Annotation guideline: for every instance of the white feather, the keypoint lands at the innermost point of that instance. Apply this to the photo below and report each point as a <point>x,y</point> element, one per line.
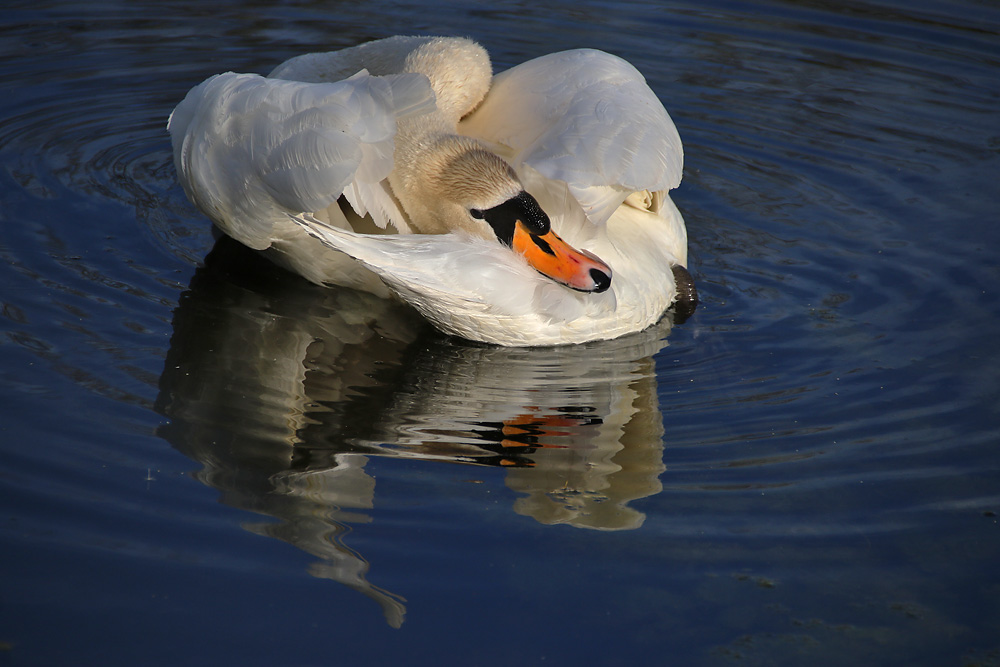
<point>586,118</point>
<point>459,282</point>
<point>250,149</point>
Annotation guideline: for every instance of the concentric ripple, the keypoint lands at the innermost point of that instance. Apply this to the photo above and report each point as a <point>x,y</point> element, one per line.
<point>822,430</point>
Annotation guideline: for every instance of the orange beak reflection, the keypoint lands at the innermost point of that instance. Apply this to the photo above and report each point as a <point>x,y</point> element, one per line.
<point>553,257</point>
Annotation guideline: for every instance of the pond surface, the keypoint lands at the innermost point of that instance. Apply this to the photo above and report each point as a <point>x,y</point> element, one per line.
<point>205,460</point>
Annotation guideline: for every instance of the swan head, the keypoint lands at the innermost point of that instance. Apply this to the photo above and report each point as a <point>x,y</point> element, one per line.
<point>470,188</point>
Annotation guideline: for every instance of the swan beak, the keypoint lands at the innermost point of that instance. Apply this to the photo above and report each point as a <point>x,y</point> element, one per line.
<point>553,257</point>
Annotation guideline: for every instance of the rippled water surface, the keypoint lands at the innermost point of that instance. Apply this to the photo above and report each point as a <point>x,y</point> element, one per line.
<point>206,460</point>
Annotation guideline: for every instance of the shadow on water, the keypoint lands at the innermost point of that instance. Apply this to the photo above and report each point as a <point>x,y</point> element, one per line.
<point>282,391</point>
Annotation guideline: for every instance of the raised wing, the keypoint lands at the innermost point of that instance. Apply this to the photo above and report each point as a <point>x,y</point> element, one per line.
<point>587,118</point>
<point>250,150</point>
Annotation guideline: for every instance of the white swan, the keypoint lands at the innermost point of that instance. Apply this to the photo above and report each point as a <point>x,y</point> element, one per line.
<point>446,184</point>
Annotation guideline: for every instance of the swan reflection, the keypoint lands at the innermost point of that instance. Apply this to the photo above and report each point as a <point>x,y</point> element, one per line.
<point>282,391</point>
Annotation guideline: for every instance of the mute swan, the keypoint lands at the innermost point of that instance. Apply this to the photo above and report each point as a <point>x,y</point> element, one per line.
<point>404,163</point>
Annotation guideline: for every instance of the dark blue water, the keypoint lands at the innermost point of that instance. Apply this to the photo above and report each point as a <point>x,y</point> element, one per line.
<point>205,460</point>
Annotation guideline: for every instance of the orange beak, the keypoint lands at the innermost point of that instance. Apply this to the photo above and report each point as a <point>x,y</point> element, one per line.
<point>553,257</point>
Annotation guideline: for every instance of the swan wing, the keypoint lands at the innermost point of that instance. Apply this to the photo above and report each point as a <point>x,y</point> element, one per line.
<point>249,150</point>
<point>586,118</point>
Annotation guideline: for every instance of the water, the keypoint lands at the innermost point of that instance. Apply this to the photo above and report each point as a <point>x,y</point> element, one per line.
<point>208,461</point>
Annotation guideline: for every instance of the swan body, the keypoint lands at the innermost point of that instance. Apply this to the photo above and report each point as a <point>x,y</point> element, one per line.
<point>526,208</point>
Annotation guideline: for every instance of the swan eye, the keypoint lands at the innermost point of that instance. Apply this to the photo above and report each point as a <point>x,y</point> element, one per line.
<point>477,214</point>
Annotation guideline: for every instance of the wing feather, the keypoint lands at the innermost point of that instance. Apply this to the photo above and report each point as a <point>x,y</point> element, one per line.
<point>587,118</point>
<point>250,149</point>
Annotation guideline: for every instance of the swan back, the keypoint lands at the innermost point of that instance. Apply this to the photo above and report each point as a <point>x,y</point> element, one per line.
<point>458,69</point>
